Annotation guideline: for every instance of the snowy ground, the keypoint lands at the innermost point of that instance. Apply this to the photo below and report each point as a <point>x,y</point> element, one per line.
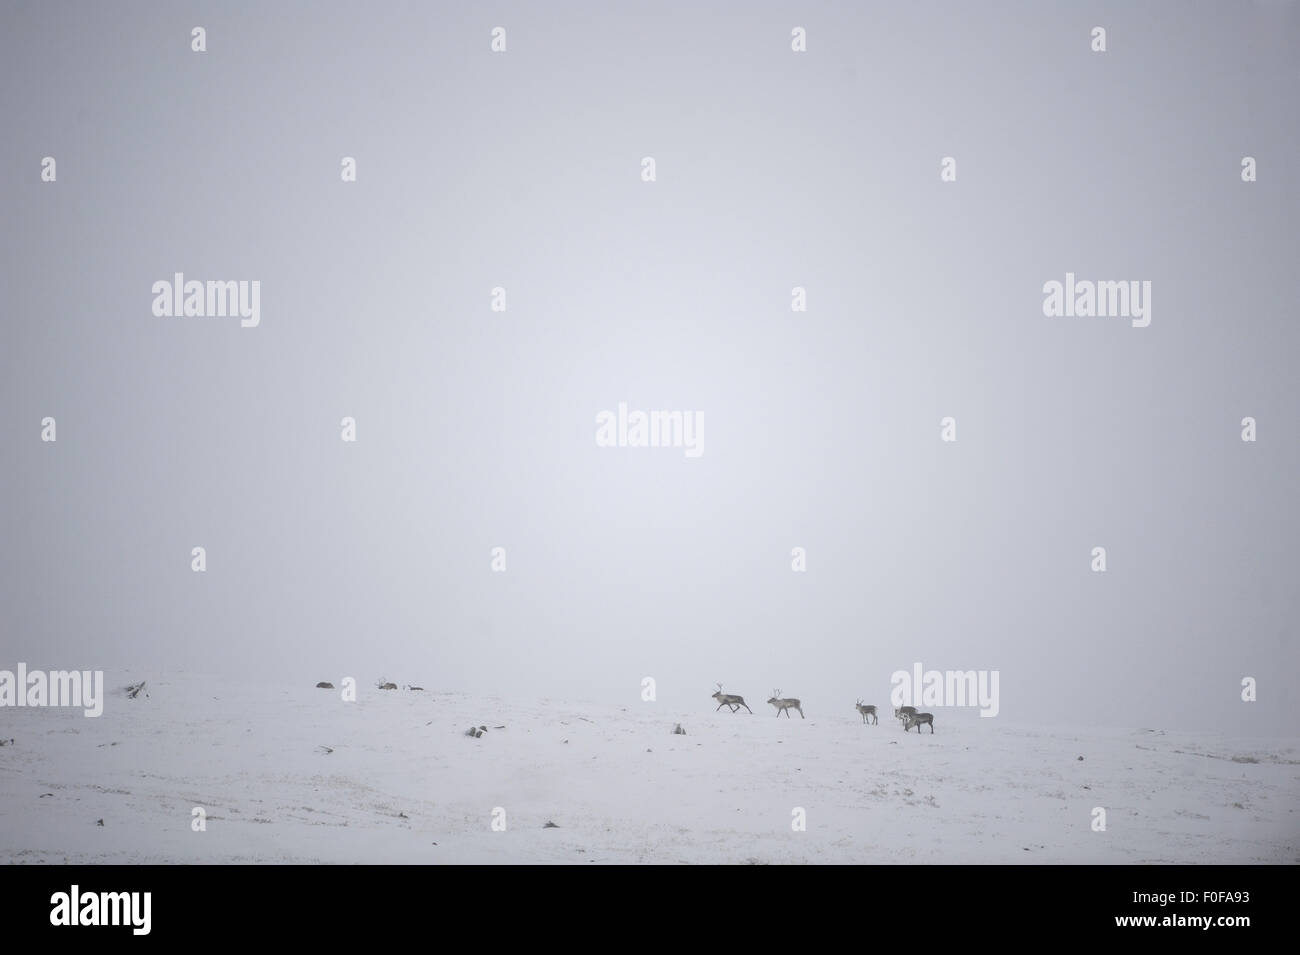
<point>295,775</point>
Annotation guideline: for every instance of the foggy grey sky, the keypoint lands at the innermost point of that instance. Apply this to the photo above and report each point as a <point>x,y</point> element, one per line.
<point>476,428</point>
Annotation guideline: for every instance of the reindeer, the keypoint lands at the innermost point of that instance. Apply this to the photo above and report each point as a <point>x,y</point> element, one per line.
<point>867,710</point>
<point>785,706</point>
<point>904,713</point>
<point>728,699</point>
<point>917,720</point>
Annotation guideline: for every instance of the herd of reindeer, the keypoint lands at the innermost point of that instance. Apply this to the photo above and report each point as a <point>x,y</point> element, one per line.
<point>907,714</point>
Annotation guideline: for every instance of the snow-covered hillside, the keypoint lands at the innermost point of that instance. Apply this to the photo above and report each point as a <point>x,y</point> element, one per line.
<point>296,774</point>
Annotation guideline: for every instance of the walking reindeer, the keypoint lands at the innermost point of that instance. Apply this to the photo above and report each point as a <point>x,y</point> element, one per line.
<point>731,700</point>
<point>907,715</point>
<point>785,706</point>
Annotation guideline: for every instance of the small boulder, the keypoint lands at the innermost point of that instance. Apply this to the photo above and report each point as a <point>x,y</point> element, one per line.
<point>324,686</point>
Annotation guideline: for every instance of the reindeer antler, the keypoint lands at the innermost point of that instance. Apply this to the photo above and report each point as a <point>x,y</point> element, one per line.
<point>719,687</point>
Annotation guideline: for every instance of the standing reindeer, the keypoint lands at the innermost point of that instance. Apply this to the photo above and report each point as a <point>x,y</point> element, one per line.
<point>904,713</point>
<point>917,720</point>
<point>867,710</point>
<point>785,706</point>
<point>735,702</point>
